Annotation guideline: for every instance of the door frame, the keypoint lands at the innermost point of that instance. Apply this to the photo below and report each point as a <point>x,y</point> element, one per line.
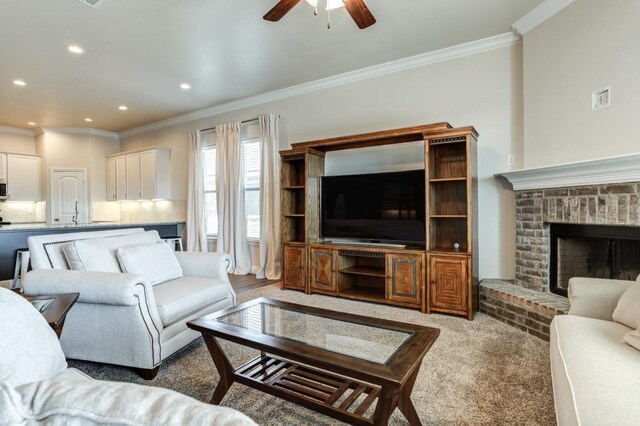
<point>89,213</point>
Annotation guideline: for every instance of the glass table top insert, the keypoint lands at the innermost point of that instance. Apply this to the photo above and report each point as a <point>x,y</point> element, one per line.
<point>368,342</point>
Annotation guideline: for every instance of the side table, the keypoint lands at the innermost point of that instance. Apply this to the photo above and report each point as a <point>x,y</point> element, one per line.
<point>54,308</point>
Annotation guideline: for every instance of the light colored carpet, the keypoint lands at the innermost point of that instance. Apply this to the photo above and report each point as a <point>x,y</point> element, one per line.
<point>480,372</point>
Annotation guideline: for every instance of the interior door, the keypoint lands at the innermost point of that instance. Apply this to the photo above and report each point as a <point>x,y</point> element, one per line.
<point>69,196</point>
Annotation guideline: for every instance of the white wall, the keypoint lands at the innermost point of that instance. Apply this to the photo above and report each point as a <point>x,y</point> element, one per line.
<point>588,45</point>
<point>483,90</point>
<point>16,141</point>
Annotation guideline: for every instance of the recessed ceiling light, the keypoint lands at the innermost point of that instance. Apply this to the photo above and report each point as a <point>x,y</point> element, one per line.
<point>74,48</point>
<point>31,123</point>
<point>19,82</point>
<point>123,108</point>
<point>185,86</point>
<point>88,120</point>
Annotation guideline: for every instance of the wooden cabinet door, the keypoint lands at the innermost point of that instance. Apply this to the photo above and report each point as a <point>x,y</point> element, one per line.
<point>449,282</point>
<point>294,262</point>
<point>404,278</point>
<point>323,270</point>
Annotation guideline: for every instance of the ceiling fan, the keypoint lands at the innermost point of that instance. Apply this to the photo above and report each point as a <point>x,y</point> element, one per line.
<point>356,8</point>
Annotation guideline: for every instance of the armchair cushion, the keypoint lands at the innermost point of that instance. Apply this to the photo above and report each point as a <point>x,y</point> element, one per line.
<point>182,297</point>
<point>628,310</point>
<point>594,297</point>
<point>633,338</point>
<point>154,261</point>
<point>98,403</point>
<point>29,348</point>
<point>99,254</point>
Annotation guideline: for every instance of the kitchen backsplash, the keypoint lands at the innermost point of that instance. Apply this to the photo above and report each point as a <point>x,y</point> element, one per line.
<point>126,212</point>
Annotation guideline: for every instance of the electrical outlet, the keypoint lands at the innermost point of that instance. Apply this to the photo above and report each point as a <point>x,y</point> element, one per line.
<point>511,160</point>
<point>601,98</point>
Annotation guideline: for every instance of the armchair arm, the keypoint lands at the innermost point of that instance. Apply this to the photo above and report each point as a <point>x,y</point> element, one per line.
<point>107,288</point>
<point>207,265</point>
<point>594,297</point>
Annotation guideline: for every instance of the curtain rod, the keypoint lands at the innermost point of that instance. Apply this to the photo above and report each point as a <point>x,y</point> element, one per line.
<point>253,120</point>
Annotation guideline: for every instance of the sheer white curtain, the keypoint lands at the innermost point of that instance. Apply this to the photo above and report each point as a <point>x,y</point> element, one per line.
<point>196,233</point>
<point>230,195</point>
<point>269,198</point>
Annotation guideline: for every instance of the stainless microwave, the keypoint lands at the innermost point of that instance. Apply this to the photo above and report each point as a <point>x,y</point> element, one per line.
<point>3,189</point>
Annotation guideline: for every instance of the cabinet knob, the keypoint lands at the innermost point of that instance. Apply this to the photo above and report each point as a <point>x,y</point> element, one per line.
<point>433,282</point>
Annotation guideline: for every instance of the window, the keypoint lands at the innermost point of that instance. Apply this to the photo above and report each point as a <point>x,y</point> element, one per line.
<point>250,182</point>
<point>210,201</point>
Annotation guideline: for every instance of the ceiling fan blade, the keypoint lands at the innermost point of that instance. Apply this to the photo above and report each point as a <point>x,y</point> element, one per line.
<point>280,9</point>
<point>360,13</point>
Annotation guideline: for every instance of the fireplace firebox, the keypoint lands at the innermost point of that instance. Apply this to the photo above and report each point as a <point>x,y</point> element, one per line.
<point>596,251</point>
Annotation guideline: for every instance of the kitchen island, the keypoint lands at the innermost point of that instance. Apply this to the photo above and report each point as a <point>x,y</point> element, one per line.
<point>14,237</point>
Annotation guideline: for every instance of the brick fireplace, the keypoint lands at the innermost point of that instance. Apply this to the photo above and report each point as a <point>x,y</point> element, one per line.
<point>597,192</point>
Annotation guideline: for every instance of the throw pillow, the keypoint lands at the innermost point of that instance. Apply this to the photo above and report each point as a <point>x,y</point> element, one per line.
<point>29,348</point>
<point>633,338</point>
<point>154,261</point>
<point>96,402</point>
<point>99,254</point>
<point>628,310</point>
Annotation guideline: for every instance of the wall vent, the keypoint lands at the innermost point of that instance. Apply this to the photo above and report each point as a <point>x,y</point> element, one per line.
<point>92,3</point>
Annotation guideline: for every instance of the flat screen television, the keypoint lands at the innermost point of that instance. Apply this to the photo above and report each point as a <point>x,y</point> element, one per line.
<point>375,208</point>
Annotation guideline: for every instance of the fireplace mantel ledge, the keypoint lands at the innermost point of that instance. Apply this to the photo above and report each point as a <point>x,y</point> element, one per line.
<point>618,169</point>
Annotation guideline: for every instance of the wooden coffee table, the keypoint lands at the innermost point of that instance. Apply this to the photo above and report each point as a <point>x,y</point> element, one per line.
<point>54,308</point>
<point>335,363</point>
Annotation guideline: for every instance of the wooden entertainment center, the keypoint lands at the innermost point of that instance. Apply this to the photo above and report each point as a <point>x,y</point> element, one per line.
<point>439,278</point>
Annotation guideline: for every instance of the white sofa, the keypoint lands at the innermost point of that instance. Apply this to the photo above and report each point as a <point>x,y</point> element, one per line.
<point>595,368</point>
<point>135,319</point>
<point>36,387</point>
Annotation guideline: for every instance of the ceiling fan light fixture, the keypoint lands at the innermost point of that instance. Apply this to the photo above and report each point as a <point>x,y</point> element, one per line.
<point>334,4</point>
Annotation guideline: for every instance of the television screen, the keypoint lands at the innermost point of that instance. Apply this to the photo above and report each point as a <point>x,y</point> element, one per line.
<point>380,207</point>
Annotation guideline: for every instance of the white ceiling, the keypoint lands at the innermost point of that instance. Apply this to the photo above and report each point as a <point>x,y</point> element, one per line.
<point>139,51</point>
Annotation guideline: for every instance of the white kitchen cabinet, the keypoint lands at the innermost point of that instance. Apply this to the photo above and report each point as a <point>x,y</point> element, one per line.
<point>3,167</point>
<point>132,162</point>
<point>139,175</point>
<point>112,186</point>
<point>154,174</point>
<point>121,178</point>
<point>23,178</point>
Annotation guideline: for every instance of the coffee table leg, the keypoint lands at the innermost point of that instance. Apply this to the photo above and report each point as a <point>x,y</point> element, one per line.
<point>404,402</point>
<point>225,369</point>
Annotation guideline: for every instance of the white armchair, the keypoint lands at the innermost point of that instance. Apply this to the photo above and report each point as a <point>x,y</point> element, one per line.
<point>135,320</point>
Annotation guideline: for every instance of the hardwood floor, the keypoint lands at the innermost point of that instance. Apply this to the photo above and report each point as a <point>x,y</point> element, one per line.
<point>244,283</point>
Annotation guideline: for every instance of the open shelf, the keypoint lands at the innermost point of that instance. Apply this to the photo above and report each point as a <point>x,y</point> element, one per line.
<point>364,293</point>
<point>448,161</point>
<point>293,187</point>
<point>448,198</point>
<point>456,179</point>
<point>294,215</point>
<point>445,232</point>
<point>293,229</point>
<point>293,173</point>
<point>371,271</point>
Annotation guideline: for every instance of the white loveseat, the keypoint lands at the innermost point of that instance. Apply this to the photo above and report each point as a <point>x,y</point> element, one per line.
<point>595,354</point>
<point>36,387</point>
<point>135,319</point>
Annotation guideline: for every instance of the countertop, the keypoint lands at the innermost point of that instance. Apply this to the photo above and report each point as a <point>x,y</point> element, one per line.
<point>42,225</point>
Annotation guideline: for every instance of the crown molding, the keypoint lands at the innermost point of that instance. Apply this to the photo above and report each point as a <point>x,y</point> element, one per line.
<point>76,131</point>
<point>446,54</point>
<point>618,169</point>
<point>16,131</point>
<point>537,16</point>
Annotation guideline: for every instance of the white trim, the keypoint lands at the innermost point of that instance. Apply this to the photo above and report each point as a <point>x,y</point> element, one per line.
<point>16,131</point>
<point>446,54</point>
<point>537,16</point>
<point>76,130</point>
<point>618,169</point>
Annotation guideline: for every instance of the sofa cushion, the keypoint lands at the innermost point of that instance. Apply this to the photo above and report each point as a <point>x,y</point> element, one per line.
<point>154,261</point>
<point>99,254</point>
<point>628,310</point>
<point>596,377</point>
<point>179,298</point>
<point>99,403</point>
<point>29,348</point>
<point>633,338</point>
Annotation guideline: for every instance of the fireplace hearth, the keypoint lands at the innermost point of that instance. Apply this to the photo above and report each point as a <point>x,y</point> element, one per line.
<point>595,251</point>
